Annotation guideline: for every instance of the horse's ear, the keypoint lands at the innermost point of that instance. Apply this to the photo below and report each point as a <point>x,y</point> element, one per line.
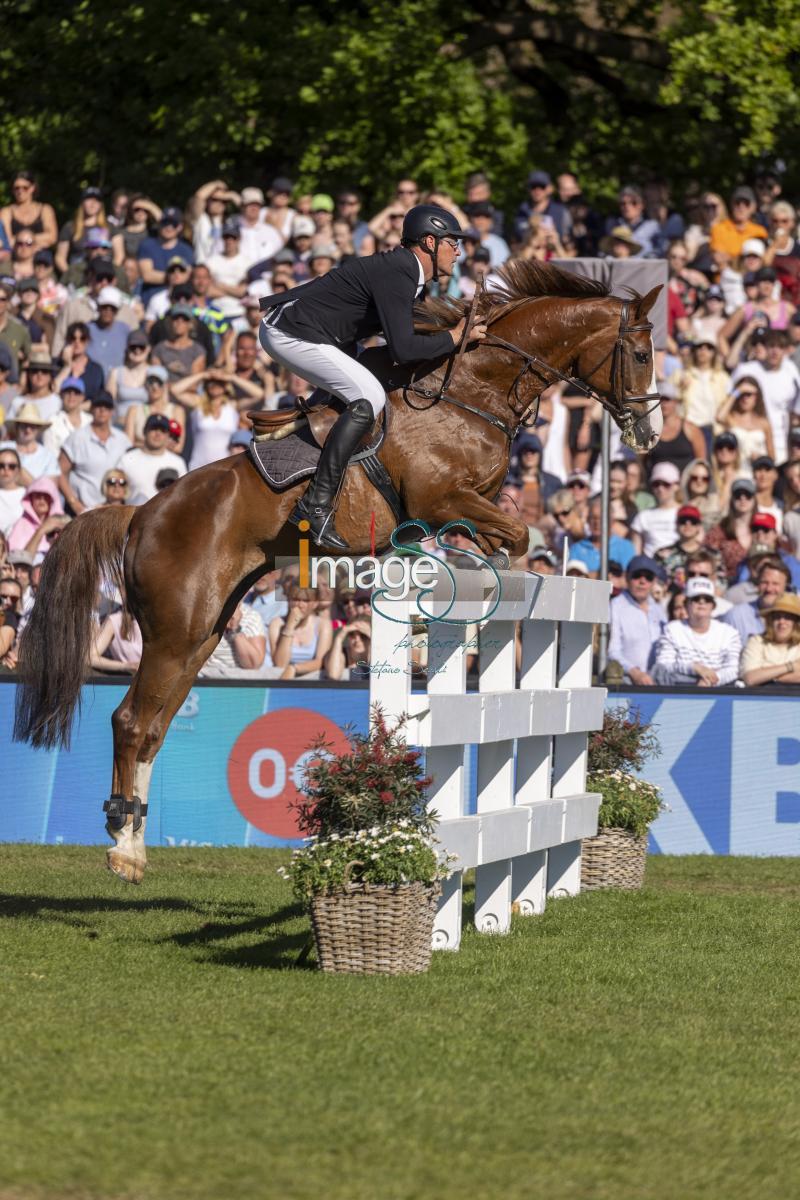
<point>643,306</point>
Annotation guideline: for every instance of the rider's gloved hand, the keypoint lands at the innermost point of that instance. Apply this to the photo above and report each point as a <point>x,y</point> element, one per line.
<point>476,334</point>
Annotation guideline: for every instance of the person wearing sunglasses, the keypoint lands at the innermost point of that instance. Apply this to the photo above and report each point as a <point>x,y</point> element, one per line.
<point>11,490</point>
<point>743,414</point>
<point>115,487</point>
<point>655,528</point>
<point>636,622</point>
<point>10,612</point>
<point>701,649</point>
<point>690,538</point>
<point>305,329</point>
<point>697,487</point>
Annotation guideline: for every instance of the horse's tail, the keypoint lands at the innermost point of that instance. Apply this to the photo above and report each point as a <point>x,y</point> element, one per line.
<point>55,644</point>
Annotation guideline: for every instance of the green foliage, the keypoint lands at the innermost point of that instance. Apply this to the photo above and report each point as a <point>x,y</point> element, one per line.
<point>628,802</point>
<point>386,854</point>
<point>378,783</point>
<point>624,742</point>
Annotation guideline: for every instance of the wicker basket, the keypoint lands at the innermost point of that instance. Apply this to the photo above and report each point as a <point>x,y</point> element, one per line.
<point>614,859</point>
<point>375,929</point>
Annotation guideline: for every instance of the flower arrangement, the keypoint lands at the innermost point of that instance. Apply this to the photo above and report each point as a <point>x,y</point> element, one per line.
<point>628,802</point>
<point>366,816</point>
<point>621,747</point>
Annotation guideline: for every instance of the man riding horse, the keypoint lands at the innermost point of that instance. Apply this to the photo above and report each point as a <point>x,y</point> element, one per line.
<point>313,330</point>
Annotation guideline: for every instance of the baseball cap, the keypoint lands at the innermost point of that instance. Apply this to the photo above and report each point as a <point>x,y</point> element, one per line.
<point>102,399</point>
<point>482,208</point>
<point>157,421</point>
<point>157,372</point>
<point>579,477</point>
<point>110,295</point>
<point>763,520</point>
<point>72,384</point>
<point>749,280</point>
<point>303,226</point>
<point>753,246</point>
<point>20,558</point>
<point>43,258</point>
<point>177,261</point>
<point>481,254</point>
<point>690,511</point>
<point>241,437</point>
<point>137,337</point>
<point>91,193</point>
<point>543,552</point>
<point>643,562</point>
<point>575,564</point>
<point>697,586</point>
<point>231,229</point>
<point>181,310</point>
<point>764,461</point>
<point>284,256</point>
<point>715,292</point>
<point>726,439</point>
<point>322,202</point>
<point>166,476</point>
<point>326,250</point>
<point>7,288</point>
<point>252,195</point>
<point>665,472</point>
<point>102,268</point>
<point>281,184</point>
<point>766,275</point>
<point>31,284</point>
<point>539,179</point>
<point>743,193</point>
<point>171,216</point>
<point>743,485</point>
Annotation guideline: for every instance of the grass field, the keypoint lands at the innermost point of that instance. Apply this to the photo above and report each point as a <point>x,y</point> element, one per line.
<point>155,1043</point>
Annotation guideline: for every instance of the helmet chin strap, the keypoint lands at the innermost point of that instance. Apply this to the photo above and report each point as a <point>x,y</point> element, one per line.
<point>434,257</point>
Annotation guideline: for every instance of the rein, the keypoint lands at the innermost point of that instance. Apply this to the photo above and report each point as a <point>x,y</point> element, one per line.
<point>617,402</point>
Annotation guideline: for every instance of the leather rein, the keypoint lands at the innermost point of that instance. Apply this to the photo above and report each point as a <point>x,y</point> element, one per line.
<point>616,402</point>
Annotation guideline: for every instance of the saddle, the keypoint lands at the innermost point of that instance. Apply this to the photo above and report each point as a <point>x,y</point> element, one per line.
<point>286,445</point>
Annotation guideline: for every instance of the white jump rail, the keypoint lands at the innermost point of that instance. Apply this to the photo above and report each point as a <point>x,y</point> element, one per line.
<point>532,806</point>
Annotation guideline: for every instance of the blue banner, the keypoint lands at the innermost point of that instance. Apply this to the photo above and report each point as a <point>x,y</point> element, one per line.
<point>232,766</point>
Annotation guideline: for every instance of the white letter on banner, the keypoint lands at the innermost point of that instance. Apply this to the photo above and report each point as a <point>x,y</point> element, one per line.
<point>254,774</point>
<point>765,777</point>
<point>677,721</point>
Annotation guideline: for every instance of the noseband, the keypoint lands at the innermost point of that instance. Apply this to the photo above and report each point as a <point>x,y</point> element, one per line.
<point>526,414</point>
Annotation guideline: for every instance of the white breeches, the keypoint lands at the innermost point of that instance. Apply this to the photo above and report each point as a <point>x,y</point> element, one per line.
<point>325,366</point>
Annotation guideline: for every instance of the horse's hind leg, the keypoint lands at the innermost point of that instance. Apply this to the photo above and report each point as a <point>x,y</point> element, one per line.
<point>140,723</point>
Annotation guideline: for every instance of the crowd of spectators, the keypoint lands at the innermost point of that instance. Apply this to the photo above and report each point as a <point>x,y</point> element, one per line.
<point>129,354</point>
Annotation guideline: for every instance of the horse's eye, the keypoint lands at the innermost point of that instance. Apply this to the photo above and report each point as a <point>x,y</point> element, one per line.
<point>641,356</point>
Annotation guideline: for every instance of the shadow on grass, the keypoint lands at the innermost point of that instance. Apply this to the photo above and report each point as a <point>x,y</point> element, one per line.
<point>280,952</point>
<point>59,908</point>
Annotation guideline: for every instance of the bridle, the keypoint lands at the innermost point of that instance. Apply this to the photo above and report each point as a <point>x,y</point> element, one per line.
<point>617,402</point>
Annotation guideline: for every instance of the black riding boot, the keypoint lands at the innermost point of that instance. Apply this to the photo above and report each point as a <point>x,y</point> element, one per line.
<point>319,503</point>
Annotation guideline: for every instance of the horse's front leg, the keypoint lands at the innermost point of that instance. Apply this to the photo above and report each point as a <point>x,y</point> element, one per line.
<point>501,537</point>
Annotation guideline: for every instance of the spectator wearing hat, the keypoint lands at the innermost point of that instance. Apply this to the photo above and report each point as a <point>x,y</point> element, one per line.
<point>155,252</point>
<point>214,417</point>
<point>32,530</point>
<point>11,490</point>
<point>82,307</point>
<point>142,464</point>
<point>349,655</point>
<point>71,416</point>
<point>158,401</point>
<point>743,413</point>
<point>727,466</point>
<point>258,239</point>
<point>702,388</point>
<point>126,383</point>
<point>91,214</point>
<point>637,621</point>
<point>26,212</point>
<point>279,212</point>
<point>322,259</point>
<point>730,234</point>
<point>229,271</point>
<point>690,538</point>
<point>178,272</point>
<point>96,245</point>
<point>52,294</point>
<point>26,427</point>
<point>619,242</point>
<point>179,353</point>
<point>774,655</point>
<point>587,550</point>
<point>732,536</point>
<point>302,233</point>
<point>167,476</point>
<point>13,333</point>
<point>108,337</point>
<point>542,561</point>
<point>700,649</point>
<point>765,540</point>
<point>779,380</point>
<point>88,453</point>
<point>207,211</point>
<point>239,441</point>
<point>709,316</point>
<point>765,477</point>
<point>481,218</point>
<point>526,465</point>
<point>655,528</point>
<point>39,391</point>
<point>772,579</point>
<point>540,203</point>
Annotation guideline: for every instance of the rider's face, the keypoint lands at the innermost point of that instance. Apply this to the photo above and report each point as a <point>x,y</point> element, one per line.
<point>449,250</point>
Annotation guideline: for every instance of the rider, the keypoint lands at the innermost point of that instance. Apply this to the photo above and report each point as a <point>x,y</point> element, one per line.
<point>313,330</point>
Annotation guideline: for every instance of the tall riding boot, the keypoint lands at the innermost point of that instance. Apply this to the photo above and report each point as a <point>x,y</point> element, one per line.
<point>318,505</point>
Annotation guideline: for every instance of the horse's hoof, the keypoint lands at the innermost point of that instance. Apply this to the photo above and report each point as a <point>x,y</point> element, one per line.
<point>500,560</point>
<point>129,870</point>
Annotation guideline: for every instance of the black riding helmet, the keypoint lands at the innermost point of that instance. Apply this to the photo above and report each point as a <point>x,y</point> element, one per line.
<point>429,220</point>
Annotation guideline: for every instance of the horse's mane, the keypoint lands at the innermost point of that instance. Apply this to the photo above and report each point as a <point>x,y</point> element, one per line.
<point>521,280</point>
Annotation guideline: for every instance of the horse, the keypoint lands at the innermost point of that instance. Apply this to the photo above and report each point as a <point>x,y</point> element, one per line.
<point>188,556</point>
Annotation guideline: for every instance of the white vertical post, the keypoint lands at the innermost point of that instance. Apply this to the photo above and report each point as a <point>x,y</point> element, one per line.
<point>447,674</point>
<point>495,776</point>
<point>570,755</point>
<point>390,658</point>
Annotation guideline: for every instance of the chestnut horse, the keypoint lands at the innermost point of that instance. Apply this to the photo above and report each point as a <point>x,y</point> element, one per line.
<point>188,556</point>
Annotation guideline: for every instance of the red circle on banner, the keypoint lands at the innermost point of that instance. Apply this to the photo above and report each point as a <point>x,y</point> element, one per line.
<point>266,766</point>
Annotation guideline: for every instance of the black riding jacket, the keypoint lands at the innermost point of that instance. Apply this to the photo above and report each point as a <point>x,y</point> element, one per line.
<point>363,297</point>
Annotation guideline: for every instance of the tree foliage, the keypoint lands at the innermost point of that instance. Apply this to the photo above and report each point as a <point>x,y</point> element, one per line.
<point>138,94</point>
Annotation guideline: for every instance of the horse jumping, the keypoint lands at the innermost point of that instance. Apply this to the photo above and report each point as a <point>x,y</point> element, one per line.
<point>189,555</point>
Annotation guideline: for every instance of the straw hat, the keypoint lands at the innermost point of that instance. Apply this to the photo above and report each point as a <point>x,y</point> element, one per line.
<point>42,359</point>
<point>28,415</point>
<point>620,233</point>
<point>787,603</point>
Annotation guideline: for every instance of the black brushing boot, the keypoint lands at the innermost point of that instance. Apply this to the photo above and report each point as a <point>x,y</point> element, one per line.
<point>318,504</point>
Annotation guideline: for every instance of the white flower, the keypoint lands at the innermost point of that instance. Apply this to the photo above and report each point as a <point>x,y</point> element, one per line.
<point>328,862</point>
<point>374,856</point>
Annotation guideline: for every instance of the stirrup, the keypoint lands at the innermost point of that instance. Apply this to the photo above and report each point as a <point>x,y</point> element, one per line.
<point>320,524</point>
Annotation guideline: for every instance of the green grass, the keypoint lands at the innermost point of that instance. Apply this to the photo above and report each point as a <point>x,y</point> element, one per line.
<point>155,1044</point>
